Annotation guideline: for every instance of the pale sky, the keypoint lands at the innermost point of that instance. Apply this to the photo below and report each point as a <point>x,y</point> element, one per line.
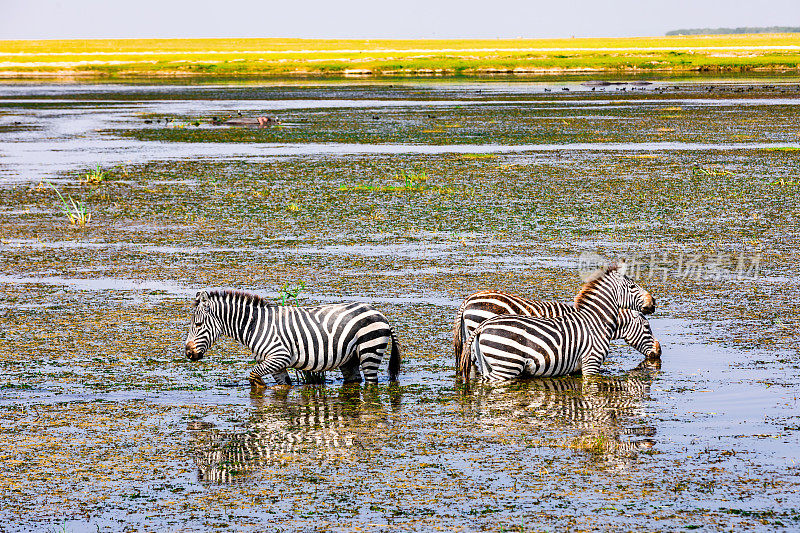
<point>51,19</point>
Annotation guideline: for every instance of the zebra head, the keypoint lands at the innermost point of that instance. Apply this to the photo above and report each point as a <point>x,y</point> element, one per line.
<point>634,328</point>
<point>610,288</point>
<point>204,328</point>
<point>629,294</point>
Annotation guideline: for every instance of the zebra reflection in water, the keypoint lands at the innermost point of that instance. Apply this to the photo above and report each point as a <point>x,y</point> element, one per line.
<point>318,425</point>
<point>599,415</point>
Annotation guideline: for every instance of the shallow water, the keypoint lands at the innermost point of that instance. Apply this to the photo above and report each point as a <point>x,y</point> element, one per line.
<point>107,425</point>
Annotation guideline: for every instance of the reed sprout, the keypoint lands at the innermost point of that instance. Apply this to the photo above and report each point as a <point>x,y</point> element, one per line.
<point>76,212</point>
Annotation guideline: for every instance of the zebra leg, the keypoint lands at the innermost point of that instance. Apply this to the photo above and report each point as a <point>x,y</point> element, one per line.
<point>350,371</point>
<point>273,364</point>
<point>282,378</point>
<point>590,364</point>
<point>496,373</point>
<point>370,354</point>
<point>369,364</point>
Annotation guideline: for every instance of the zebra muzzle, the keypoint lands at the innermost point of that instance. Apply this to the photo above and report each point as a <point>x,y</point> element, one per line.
<point>655,353</point>
<point>191,352</point>
<point>649,305</point>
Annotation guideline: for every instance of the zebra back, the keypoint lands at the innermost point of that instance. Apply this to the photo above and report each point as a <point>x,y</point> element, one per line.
<point>483,305</point>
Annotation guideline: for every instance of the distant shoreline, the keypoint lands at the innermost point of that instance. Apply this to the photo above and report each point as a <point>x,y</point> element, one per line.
<point>304,58</point>
<point>734,31</point>
<point>388,75</point>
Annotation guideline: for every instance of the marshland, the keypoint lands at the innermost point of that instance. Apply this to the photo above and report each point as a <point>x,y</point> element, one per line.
<point>119,201</point>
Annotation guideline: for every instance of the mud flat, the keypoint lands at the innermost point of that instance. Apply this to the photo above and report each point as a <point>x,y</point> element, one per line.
<point>409,196</point>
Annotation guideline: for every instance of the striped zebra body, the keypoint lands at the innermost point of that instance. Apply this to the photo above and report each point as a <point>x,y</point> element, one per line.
<point>632,326</point>
<point>350,336</point>
<point>508,346</point>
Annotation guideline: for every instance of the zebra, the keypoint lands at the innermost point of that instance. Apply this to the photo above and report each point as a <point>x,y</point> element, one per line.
<point>350,336</point>
<point>632,326</point>
<point>505,347</point>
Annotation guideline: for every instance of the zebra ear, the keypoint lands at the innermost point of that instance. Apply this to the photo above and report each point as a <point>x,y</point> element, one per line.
<point>622,267</point>
<point>201,298</point>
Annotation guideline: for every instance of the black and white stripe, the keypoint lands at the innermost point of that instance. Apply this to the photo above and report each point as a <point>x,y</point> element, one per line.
<point>505,347</point>
<point>350,336</point>
<point>632,326</point>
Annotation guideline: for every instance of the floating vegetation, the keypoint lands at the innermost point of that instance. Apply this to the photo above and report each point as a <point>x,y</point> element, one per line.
<point>410,182</point>
<point>478,156</point>
<point>489,125</point>
<point>596,444</point>
<point>710,171</point>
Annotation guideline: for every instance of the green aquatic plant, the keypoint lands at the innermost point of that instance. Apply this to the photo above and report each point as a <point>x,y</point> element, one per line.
<point>710,171</point>
<point>76,212</point>
<point>594,444</point>
<point>289,294</point>
<point>95,176</point>
<point>411,182</point>
<point>786,182</point>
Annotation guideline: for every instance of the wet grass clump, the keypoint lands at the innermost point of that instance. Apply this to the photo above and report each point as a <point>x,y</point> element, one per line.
<point>95,176</point>
<point>76,211</point>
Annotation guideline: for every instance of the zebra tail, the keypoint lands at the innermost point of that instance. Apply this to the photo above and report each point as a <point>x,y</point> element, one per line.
<point>394,358</point>
<point>465,359</point>
<point>459,333</point>
<point>458,337</point>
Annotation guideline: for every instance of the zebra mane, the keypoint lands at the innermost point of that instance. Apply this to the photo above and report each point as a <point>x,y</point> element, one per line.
<point>244,297</point>
<point>593,281</point>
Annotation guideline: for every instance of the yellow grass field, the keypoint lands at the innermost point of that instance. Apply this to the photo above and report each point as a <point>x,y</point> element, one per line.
<point>309,57</point>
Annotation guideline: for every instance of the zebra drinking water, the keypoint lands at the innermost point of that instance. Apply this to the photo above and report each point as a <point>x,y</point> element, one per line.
<point>632,326</point>
<point>505,347</point>
<point>350,336</point>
